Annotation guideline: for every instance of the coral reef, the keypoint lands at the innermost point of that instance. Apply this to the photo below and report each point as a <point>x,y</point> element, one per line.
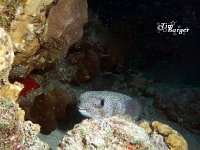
<point>51,107</point>
<point>8,9</point>
<point>174,140</point>
<point>119,132</point>
<point>97,52</point>
<point>107,133</point>
<point>15,133</point>
<point>78,67</point>
<point>65,17</point>
<point>11,91</point>
<point>26,30</point>
<point>6,55</point>
<point>180,104</point>
<point>31,24</point>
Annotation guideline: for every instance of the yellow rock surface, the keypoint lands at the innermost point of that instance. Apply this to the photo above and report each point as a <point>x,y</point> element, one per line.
<point>29,21</point>
<point>146,126</point>
<point>162,128</point>
<point>176,142</point>
<point>11,91</point>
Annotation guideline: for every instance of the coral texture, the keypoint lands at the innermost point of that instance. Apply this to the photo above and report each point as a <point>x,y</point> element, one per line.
<point>120,133</point>
<point>107,133</point>
<point>173,139</point>
<point>14,132</point>
<point>51,107</point>
<point>34,27</point>
<point>11,91</point>
<point>6,56</point>
<point>66,16</point>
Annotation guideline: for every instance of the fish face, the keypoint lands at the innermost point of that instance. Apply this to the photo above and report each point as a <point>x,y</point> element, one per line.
<point>93,107</point>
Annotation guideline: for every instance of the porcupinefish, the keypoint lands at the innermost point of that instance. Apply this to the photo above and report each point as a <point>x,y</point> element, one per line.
<point>97,104</point>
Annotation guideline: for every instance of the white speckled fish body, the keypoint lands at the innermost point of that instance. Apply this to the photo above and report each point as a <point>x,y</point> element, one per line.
<point>97,104</point>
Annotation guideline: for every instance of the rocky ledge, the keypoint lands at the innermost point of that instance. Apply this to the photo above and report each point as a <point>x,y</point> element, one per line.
<point>119,132</point>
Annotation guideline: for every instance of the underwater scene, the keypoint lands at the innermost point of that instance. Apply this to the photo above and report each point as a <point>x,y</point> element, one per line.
<point>99,75</point>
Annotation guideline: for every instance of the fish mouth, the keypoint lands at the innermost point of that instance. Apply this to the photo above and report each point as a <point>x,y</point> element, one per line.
<point>81,108</point>
<point>85,113</point>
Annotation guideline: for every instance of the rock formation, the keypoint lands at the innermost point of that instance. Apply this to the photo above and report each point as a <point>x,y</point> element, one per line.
<point>119,132</point>
<point>179,104</point>
<point>15,133</point>
<point>52,107</point>
<point>42,30</point>
<point>6,55</point>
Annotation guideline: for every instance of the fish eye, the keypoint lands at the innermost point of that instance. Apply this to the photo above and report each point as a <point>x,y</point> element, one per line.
<point>102,102</point>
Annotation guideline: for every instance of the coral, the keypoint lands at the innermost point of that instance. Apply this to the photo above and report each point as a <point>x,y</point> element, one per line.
<point>163,128</point>
<point>88,68</point>
<point>6,56</point>
<point>176,142</point>
<point>78,67</point>
<point>112,51</point>
<point>146,126</point>
<point>11,91</point>
<point>29,85</point>
<point>162,132</point>
<point>158,140</point>
<point>116,132</point>
<point>29,22</point>
<point>31,29</point>
<point>52,107</point>
<point>14,132</point>
<point>64,71</point>
<point>64,17</point>
<point>10,133</point>
<point>92,63</point>
<point>8,9</point>
<point>81,76</point>
<point>31,141</point>
<point>179,104</point>
<point>173,139</point>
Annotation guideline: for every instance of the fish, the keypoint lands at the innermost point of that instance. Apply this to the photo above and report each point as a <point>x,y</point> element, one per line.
<point>100,104</point>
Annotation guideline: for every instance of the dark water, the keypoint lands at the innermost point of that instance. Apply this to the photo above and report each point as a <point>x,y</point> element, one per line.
<point>172,58</point>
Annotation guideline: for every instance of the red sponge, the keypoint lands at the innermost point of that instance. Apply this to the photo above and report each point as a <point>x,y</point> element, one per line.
<point>29,85</point>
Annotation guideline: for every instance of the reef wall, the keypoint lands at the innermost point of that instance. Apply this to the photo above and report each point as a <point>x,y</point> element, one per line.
<point>41,30</point>
<point>15,133</point>
<point>33,35</point>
